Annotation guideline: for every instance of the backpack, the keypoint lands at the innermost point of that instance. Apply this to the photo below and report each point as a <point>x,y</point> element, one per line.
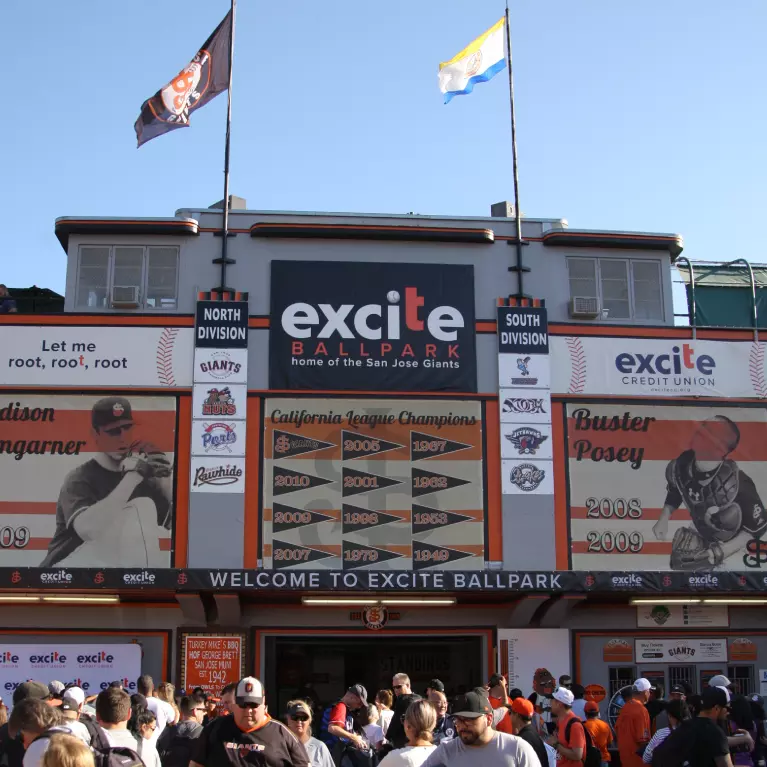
<point>675,749</point>
<point>331,740</point>
<point>106,755</point>
<point>592,757</point>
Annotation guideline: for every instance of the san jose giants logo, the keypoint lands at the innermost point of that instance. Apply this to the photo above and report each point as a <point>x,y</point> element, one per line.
<point>218,437</point>
<point>527,477</point>
<point>526,440</point>
<point>183,92</point>
<point>219,402</point>
<point>527,405</point>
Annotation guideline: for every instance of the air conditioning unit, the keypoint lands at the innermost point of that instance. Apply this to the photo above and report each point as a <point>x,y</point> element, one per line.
<point>125,296</point>
<point>584,308</point>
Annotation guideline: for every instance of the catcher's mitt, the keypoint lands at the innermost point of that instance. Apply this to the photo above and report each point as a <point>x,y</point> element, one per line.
<point>690,552</point>
<point>146,459</point>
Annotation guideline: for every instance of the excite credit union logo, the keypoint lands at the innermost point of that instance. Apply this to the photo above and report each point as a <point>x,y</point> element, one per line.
<point>679,368</point>
<point>8,660</point>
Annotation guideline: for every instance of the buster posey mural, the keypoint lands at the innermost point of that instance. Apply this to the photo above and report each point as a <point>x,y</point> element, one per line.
<point>657,487</point>
<point>87,481</point>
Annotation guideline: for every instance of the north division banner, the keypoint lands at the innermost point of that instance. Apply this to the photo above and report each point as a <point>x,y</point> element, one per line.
<point>667,487</point>
<point>86,481</point>
<point>376,484</point>
<point>338,325</point>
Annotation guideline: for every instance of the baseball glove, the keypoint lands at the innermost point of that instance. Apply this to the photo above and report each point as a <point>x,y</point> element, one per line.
<point>146,459</point>
<point>690,552</point>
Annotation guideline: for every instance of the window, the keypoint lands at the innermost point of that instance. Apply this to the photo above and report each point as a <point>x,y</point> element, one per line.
<point>152,269</point>
<point>628,289</point>
<point>684,675</point>
<point>742,678</point>
<point>620,677</point>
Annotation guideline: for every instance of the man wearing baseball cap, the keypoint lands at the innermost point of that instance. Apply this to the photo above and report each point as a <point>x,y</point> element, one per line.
<point>633,725</point>
<point>112,508</point>
<point>337,724</point>
<point>521,712</point>
<point>249,736</point>
<point>477,742</point>
<point>601,734</point>
<point>11,748</point>
<point>570,737</point>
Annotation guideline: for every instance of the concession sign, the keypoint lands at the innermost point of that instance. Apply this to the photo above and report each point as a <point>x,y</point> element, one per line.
<point>640,474</point>
<point>372,326</point>
<point>67,460</point>
<point>378,484</point>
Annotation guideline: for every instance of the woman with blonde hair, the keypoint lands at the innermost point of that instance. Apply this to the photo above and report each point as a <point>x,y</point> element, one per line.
<point>298,717</point>
<point>67,751</point>
<point>167,692</point>
<point>420,721</point>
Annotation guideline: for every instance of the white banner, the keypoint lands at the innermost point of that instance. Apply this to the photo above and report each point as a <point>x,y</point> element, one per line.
<point>95,356</point>
<point>657,367</point>
<point>90,666</point>
<point>681,650</point>
<point>534,657</point>
<point>682,616</point>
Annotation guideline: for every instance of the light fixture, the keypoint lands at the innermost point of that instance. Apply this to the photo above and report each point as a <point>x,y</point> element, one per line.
<point>666,601</point>
<point>105,599</point>
<point>4,599</point>
<point>735,601</point>
<point>359,602</point>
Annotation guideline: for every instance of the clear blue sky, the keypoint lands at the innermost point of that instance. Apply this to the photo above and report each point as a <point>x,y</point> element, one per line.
<point>645,116</point>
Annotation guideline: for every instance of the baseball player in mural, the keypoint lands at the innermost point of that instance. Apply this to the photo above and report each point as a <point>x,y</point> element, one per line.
<point>112,508</point>
<point>722,500</point>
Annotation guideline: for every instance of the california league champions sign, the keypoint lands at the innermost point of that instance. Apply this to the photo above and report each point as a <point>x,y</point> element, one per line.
<point>372,326</point>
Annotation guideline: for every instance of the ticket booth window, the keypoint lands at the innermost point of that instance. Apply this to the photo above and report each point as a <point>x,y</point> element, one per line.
<point>621,676</point>
<point>742,678</point>
<point>684,675</point>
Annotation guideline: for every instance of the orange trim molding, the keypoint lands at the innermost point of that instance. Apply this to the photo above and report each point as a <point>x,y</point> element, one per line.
<point>560,486</point>
<point>493,468</point>
<point>183,467</point>
<point>251,530</point>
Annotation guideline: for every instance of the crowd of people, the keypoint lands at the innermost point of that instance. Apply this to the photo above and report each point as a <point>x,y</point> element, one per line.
<point>488,726</point>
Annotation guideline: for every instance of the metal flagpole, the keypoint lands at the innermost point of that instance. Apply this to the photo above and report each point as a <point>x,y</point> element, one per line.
<point>224,261</point>
<point>519,269</point>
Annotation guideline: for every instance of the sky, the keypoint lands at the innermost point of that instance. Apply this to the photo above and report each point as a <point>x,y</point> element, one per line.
<point>641,116</point>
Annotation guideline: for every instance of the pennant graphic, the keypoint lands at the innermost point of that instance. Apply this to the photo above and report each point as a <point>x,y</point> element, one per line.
<point>355,518</point>
<point>428,446</point>
<point>425,519</point>
<point>426,482</point>
<point>288,445</point>
<point>356,482</point>
<point>356,445</point>
<point>289,518</point>
<point>200,81</point>
<point>290,555</point>
<point>356,555</point>
<point>289,481</point>
<point>425,555</point>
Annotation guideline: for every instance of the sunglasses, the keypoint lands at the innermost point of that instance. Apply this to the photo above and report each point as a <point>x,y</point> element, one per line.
<point>300,718</point>
<point>251,706</point>
<point>398,686</point>
<point>116,431</point>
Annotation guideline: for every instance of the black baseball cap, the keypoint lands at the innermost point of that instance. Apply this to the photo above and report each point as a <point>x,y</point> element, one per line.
<point>472,705</point>
<point>678,689</point>
<point>495,679</point>
<point>31,689</point>
<point>436,684</point>
<point>714,696</point>
<point>111,411</point>
<point>360,692</point>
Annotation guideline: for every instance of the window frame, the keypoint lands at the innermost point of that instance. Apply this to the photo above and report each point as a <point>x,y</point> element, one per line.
<point>143,287</point>
<point>597,260</point>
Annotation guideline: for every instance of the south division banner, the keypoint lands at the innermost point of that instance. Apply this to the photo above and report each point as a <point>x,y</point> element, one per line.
<point>648,482</point>
<point>72,491</point>
<point>372,326</point>
<point>378,484</point>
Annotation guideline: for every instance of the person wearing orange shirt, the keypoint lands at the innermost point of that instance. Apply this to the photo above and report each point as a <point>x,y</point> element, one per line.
<point>499,698</point>
<point>600,731</point>
<point>570,738</point>
<point>633,725</point>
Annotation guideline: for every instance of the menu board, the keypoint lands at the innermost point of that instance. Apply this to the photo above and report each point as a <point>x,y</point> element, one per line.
<point>372,483</point>
<point>211,661</point>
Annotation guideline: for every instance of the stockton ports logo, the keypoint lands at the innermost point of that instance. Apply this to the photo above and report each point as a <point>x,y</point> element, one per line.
<point>526,440</point>
<point>218,437</point>
<point>678,369</point>
<point>219,402</point>
<point>53,659</point>
<point>527,477</point>
<point>224,474</point>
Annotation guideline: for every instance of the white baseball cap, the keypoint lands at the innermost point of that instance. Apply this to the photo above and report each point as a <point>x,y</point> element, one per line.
<point>75,693</point>
<point>249,690</point>
<point>720,680</point>
<point>725,691</point>
<point>643,685</point>
<point>563,695</point>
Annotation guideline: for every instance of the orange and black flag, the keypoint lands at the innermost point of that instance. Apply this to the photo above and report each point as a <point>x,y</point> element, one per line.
<point>200,81</point>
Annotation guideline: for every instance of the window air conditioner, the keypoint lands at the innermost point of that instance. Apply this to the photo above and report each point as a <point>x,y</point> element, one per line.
<point>582,307</point>
<point>125,296</point>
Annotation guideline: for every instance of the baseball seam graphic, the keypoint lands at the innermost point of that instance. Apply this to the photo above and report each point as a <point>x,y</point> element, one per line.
<point>164,357</point>
<point>577,366</point>
<point>756,369</point>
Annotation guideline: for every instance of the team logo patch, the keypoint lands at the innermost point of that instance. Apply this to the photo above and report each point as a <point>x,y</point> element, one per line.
<point>218,437</point>
<point>526,440</point>
<point>219,402</point>
<point>527,477</point>
<point>523,365</point>
<point>375,617</point>
<point>117,409</point>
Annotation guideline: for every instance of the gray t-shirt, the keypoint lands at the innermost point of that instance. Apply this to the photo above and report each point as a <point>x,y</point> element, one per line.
<point>502,751</point>
<point>318,753</point>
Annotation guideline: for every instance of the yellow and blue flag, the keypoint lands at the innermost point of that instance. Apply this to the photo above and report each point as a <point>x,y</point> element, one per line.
<point>478,62</point>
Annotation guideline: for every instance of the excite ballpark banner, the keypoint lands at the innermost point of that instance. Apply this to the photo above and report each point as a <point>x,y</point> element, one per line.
<point>382,582</point>
<point>91,667</point>
<point>387,484</point>
<point>657,367</point>
<point>52,356</point>
<point>54,466</point>
<point>639,473</point>
<point>338,325</point>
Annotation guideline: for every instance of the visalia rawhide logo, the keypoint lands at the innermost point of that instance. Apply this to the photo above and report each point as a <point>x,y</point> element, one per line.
<point>219,402</point>
<point>218,437</point>
<point>224,474</point>
<point>526,440</point>
<point>680,367</point>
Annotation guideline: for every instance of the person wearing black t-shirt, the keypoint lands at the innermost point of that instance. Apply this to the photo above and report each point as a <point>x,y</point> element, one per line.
<point>709,743</point>
<point>250,737</point>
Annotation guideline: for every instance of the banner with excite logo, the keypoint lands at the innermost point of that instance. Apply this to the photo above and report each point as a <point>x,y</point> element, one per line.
<point>91,667</point>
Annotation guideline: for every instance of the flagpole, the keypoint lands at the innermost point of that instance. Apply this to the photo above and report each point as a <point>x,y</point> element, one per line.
<point>224,261</point>
<point>519,269</point>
